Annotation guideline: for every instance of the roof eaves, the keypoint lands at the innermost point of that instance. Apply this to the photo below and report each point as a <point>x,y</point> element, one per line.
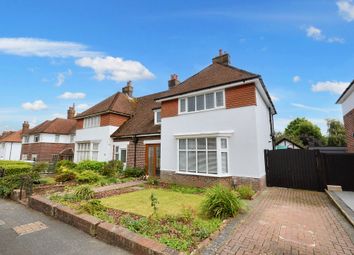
<point>345,91</point>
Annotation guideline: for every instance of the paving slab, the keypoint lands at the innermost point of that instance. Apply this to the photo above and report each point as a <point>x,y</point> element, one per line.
<point>347,197</point>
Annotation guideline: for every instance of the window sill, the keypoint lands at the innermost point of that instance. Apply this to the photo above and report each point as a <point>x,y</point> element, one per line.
<point>206,175</point>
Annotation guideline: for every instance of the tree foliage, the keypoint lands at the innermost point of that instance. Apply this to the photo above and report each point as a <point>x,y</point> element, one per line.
<point>336,133</point>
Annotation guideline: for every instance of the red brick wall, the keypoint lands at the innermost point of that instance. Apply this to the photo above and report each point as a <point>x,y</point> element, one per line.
<point>80,124</point>
<point>169,108</point>
<point>111,119</point>
<point>349,127</point>
<point>44,151</point>
<point>240,96</point>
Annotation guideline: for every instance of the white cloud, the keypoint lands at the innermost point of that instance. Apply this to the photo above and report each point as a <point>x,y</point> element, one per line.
<point>34,106</point>
<point>296,78</point>
<point>316,34</point>
<point>117,69</point>
<point>273,97</point>
<point>346,9</point>
<point>82,106</point>
<point>72,95</point>
<point>312,108</point>
<point>62,76</point>
<point>336,87</point>
<point>26,46</point>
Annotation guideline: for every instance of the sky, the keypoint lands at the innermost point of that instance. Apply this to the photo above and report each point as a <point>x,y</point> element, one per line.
<point>56,53</point>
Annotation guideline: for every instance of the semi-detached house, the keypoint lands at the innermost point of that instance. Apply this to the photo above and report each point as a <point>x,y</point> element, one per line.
<point>212,127</point>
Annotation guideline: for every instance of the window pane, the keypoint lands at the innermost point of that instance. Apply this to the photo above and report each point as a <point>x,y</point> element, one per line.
<point>209,101</point>
<point>224,165</point>
<point>219,98</point>
<point>191,161</point>
<point>182,103</point>
<point>158,117</point>
<point>191,104</point>
<point>212,162</point>
<point>95,146</point>
<point>211,143</point>
<point>223,143</point>
<point>191,144</point>
<point>201,143</point>
<point>182,161</point>
<point>123,156</point>
<point>202,162</point>
<point>182,144</point>
<point>200,102</point>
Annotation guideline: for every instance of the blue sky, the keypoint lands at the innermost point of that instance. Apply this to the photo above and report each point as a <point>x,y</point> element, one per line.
<point>55,53</point>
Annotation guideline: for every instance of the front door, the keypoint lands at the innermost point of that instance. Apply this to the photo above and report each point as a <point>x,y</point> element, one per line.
<point>152,159</point>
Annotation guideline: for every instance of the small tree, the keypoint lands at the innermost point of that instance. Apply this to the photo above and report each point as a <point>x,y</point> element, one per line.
<point>154,202</point>
<point>336,133</point>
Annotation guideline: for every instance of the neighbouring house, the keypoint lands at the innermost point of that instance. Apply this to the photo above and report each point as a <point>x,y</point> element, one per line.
<point>286,143</point>
<point>212,127</point>
<point>10,145</point>
<point>50,141</point>
<point>95,126</point>
<point>347,102</point>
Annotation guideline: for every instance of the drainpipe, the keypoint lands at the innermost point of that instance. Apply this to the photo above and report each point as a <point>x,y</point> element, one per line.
<point>271,124</point>
<point>10,151</point>
<point>135,141</point>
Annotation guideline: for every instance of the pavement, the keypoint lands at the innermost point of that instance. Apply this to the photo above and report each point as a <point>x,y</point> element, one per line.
<point>24,231</point>
<point>347,197</point>
<point>287,221</point>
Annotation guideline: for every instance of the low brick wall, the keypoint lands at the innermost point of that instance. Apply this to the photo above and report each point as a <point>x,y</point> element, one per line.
<point>84,222</point>
<point>207,181</point>
<point>122,237</point>
<point>106,232</point>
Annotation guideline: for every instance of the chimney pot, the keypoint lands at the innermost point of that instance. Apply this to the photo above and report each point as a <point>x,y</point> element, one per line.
<point>173,81</point>
<point>223,58</point>
<point>128,89</point>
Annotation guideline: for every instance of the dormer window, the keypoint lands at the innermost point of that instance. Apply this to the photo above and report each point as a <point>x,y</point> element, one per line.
<point>202,102</point>
<point>91,122</point>
<point>157,117</point>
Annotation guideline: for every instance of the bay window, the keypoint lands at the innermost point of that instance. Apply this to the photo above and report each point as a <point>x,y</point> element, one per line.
<point>87,151</point>
<point>206,156</point>
<point>202,102</point>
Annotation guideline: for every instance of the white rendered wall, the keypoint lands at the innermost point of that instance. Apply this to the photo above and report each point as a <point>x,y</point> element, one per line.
<point>101,135</point>
<point>348,104</point>
<point>243,147</point>
<point>264,141</point>
<point>10,151</point>
<point>49,138</point>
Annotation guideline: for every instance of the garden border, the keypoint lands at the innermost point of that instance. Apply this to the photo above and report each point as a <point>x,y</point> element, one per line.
<point>104,231</point>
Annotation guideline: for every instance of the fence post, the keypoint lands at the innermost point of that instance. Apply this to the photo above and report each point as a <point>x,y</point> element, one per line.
<point>320,169</point>
<point>266,165</point>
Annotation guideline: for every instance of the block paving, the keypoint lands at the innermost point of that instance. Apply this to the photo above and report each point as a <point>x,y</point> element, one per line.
<point>30,228</point>
<point>288,221</point>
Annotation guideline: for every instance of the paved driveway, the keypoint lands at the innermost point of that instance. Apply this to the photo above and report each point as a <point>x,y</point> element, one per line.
<point>27,232</point>
<point>287,221</point>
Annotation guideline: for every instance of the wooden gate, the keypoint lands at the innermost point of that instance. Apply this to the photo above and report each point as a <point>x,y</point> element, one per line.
<point>298,169</point>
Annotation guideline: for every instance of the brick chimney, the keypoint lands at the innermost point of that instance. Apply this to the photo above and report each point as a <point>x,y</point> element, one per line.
<point>128,89</point>
<point>71,112</point>
<point>223,58</point>
<point>25,127</point>
<point>173,81</point>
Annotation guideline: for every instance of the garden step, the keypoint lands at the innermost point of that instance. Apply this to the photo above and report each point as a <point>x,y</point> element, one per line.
<point>117,186</point>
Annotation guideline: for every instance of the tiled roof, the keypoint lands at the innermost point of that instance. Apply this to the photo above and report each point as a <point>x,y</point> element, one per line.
<point>214,75</point>
<point>142,121</point>
<point>56,126</point>
<point>117,103</point>
<point>11,136</point>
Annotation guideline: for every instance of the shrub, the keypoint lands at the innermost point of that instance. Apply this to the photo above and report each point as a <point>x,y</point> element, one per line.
<point>245,191</point>
<point>95,208</point>
<point>221,202</point>
<point>88,176</point>
<point>40,167</point>
<point>153,180</point>
<point>112,168</point>
<point>133,172</point>
<point>65,163</point>
<point>107,180</point>
<point>15,167</point>
<point>84,192</point>
<point>90,165</point>
<point>46,180</point>
<point>66,175</point>
<point>11,182</point>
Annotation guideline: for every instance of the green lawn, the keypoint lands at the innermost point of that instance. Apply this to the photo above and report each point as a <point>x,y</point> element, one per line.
<point>138,202</point>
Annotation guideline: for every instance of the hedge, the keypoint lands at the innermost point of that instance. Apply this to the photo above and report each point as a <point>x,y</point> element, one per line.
<point>15,167</point>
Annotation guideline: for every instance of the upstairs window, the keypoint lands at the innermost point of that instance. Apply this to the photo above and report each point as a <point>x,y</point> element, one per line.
<point>57,137</point>
<point>26,139</point>
<point>202,102</point>
<point>36,138</point>
<point>157,117</point>
<point>91,122</point>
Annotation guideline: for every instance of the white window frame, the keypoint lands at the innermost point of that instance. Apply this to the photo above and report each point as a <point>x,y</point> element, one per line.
<point>218,150</point>
<point>26,139</point>
<point>57,138</point>
<point>156,112</point>
<point>34,157</point>
<point>24,157</point>
<point>91,122</point>
<point>121,146</point>
<point>90,150</point>
<point>195,102</point>
<point>39,138</point>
